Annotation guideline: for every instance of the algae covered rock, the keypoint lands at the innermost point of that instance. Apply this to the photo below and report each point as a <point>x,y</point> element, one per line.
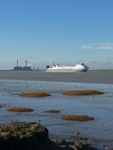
<point>35,94</point>
<point>20,109</point>
<point>77,117</point>
<point>22,136</point>
<point>32,136</point>
<point>21,129</point>
<point>82,92</point>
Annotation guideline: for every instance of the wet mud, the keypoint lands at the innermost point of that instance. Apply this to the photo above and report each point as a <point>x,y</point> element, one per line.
<point>97,132</point>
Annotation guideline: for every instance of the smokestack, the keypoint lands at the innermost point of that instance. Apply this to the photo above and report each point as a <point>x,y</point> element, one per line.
<point>17,62</point>
<point>26,63</point>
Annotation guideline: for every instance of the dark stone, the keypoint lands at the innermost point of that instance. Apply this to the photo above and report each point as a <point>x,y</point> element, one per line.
<point>33,136</point>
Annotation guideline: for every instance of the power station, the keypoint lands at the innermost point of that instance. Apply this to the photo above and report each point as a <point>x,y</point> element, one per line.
<point>22,68</point>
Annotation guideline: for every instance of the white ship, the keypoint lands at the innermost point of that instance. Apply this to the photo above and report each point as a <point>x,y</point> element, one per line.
<point>76,68</point>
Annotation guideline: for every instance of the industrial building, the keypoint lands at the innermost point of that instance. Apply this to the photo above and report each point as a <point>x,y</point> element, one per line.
<point>22,68</point>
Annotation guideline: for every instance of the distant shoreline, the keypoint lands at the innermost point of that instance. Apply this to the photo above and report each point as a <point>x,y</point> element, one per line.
<point>45,70</point>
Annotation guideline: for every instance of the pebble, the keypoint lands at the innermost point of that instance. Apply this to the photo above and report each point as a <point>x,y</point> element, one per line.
<point>77,133</point>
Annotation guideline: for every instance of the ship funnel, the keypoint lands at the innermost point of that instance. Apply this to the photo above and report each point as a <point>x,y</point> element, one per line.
<point>47,67</point>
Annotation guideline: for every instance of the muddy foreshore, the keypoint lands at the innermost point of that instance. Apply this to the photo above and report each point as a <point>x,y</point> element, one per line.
<point>104,77</point>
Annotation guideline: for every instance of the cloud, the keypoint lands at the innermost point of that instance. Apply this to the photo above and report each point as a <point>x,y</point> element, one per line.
<point>103,46</point>
<point>106,46</point>
<point>89,46</point>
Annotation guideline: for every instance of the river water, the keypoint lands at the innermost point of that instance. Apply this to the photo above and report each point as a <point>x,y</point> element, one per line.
<point>98,106</point>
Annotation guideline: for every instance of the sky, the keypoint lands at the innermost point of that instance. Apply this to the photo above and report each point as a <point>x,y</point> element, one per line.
<point>65,32</point>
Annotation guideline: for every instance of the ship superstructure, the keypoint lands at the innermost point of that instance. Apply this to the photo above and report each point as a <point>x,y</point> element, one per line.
<point>76,68</point>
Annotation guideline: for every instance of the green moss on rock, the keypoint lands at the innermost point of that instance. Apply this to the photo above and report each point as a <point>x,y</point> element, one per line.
<point>20,128</point>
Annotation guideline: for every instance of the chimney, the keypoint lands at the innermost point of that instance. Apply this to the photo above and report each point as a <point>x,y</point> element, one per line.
<point>26,63</point>
<point>17,62</point>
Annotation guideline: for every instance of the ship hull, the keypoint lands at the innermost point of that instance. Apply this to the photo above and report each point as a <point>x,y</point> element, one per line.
<point>66,70</point>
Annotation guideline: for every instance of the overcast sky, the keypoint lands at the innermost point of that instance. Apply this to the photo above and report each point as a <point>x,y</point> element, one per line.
<point>65,32</point>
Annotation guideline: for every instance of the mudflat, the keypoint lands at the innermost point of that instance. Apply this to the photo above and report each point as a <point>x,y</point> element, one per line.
<point>98,132</point>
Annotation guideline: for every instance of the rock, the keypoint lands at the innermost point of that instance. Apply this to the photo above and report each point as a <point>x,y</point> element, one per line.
<point>83,138</point>
<point>82,92</point>
<point>62,141</point>
<point>77,133</point>
<point>81,146</point>
<point>35,94</point>
<point>23,136</point>
<point>78,144</point>
<point>33,136</point>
